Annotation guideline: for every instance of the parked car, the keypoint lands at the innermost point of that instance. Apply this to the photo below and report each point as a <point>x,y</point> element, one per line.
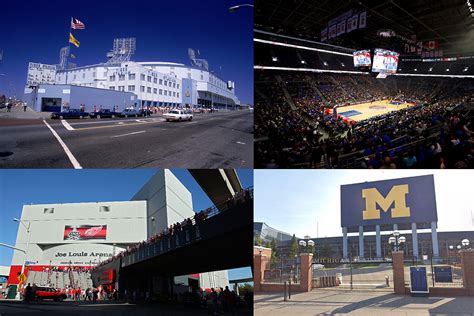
<point>49,293</point>
<point>103,113</point>
<point>69,113</point>
<point>178,115</point>
<point>145,112</point>
<point>129,113</point>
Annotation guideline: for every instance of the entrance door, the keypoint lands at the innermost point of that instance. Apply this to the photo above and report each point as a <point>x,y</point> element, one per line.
<point>51,104</point>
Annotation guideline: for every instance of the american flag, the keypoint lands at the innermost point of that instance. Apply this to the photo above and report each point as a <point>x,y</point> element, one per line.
<point>77,25</point>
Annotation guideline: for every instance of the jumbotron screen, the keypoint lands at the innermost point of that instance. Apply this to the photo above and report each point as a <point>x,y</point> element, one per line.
<point>362,58</point>
<point>385,61</point>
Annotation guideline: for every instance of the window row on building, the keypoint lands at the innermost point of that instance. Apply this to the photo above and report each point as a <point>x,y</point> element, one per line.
<point>143,77</point>
<point>131,88</point>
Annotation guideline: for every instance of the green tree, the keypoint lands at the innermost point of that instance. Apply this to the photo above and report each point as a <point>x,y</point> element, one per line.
<point>246,287</point>
<point>257,239</point>
<point>275,253</point>
<point>293,247</point>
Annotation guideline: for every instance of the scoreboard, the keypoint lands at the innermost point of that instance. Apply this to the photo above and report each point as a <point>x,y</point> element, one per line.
<point>362,58</point>
<point>385,61</point>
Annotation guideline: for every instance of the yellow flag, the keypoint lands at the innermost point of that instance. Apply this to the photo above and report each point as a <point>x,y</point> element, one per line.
<point>72,40</point>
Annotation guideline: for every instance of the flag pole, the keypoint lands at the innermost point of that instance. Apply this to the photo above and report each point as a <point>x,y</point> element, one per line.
<point>69,48</point>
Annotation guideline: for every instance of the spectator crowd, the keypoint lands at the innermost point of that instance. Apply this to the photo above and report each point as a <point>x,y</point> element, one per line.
<point>295,127</point>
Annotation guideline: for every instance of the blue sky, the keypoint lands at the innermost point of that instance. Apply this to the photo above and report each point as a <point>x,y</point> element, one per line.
<point>19,187</point>
<point>36,30</point>
<point>307,202</point>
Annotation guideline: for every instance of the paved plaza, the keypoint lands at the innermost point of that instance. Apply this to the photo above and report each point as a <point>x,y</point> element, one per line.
<point>340,302</point>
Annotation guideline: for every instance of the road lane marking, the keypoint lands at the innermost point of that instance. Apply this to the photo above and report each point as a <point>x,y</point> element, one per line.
<point>71,157</point>
<point>67,126</point>
<point>127,134</point>
<point>240,143</point>
<point>115,125</point>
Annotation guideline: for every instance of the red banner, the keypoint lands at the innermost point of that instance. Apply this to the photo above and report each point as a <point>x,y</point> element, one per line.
<point>85,232</point>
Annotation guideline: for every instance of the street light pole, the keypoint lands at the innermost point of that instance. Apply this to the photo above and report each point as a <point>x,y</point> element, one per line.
<point>236,7</point>
<point>27,242</point>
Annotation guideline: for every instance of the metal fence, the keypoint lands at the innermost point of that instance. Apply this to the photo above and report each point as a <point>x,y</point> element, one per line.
<point>280,270</point>
<point>351,274</point>
<point>440,272</point>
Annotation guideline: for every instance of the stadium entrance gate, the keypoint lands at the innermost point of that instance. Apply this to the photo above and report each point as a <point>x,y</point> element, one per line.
<point>353,274</point>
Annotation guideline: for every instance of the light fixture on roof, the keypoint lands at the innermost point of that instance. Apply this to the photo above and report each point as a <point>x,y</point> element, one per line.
<point>431,69</point>
<point>325,63</point>
<point>470,7</point>
<point>303,61</point>
<point>447,69</point>
<point>415,69</point>
<point>465,69</point>
<point>342,64</point>
<point>274,58</point>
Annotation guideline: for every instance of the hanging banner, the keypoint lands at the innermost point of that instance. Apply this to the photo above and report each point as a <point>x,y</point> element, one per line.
<point>363,19</point>
<point>85,232</point>
<point>341,28</point>
<point>324,34</point>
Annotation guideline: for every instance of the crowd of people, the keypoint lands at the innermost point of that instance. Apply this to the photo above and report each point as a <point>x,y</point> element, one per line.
<point>177,227</point>
<point>298,128</point>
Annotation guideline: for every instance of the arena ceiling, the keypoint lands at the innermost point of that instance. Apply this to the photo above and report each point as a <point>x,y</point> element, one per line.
<point>448,21</point>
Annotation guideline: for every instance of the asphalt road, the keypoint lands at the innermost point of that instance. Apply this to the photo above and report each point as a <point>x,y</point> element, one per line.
<point>101,309</point>
<point>217,140</point>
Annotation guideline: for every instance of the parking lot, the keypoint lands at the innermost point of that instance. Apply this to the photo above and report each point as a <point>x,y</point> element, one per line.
<point>211,140</point>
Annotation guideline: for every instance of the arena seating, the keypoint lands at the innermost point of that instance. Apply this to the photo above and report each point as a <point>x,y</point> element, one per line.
<point>294,130</point>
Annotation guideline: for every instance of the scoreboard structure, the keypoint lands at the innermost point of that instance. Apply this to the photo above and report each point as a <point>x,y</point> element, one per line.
<point>389,205</point>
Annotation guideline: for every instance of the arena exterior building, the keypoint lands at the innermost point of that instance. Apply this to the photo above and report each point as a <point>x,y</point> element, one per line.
<point>85,234</point>
<point>332,247</point>
<point>155,84</point>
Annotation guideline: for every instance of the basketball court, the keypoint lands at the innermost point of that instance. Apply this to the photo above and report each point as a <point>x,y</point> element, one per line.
<point>363,111</point>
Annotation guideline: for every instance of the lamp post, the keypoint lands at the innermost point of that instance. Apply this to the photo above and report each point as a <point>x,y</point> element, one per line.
<point>465,243</point>
<point>237,7</point>
<point>396,241</point>
<point>27,242</point>
<point>306,243</point>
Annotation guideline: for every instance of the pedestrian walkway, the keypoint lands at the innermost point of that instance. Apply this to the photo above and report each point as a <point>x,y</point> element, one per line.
<point>17,112</point>
<point>332,302</point>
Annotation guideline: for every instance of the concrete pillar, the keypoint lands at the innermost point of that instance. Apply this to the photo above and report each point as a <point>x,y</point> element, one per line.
<point>378,242</point>
<point>395,227</point>
<point>361,241</point>
<point>259,264</point>
<point>414,239</point>
<point>398,272</point>
<point>434,239</point>
<point>344,242</point>
<point>467,266</point>
<point>306,264</point>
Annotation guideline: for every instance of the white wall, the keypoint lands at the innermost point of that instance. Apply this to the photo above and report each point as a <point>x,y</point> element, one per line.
<point>126,224</point>
<point>99,76</point>
<point>168,201</point>
<point>214,279</point>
